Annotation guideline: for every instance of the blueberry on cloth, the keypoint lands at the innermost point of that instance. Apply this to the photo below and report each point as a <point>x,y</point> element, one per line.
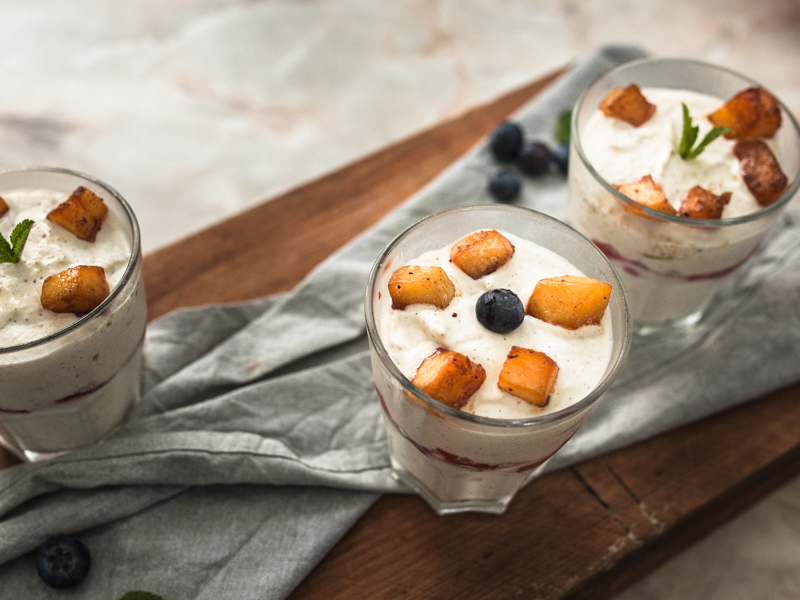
<point>499,310</point>
<point>63,562</point>
<point>504,186</point>
<point>534,158</point>
<point>561,157</point>
<point>506,141</point>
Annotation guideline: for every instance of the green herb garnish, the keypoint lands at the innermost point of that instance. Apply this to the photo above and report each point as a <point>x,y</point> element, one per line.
<point>140,596</point>
<point>13,252</point>
<point>563,125</point>
<point>689,137</point>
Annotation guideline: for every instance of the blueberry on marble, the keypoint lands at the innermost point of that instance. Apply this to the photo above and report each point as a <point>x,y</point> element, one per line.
<point>504,186</point>
<point>63,562</point>
<point>506,141</point>
<point>499,310</point>
<point>534,158</point>
<point>561,157</point>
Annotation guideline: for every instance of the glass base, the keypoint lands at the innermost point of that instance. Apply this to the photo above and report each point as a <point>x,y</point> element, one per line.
<point>496,506</point>
<point>654,329</point>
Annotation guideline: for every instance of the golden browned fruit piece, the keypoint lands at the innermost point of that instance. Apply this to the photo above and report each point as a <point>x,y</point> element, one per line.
<point>628,104</point>
<point>569,301</point>
<point>529,375</point>
<point>647,192</point>
<point>3,207</point>
<point>420,285</point>
<point>83,213</point>
<point>699,203</point>
<point>481,253</point>
<point>753,112</point>
<point>77,290</point>
<point>450,377</point>
<point>760,170</point>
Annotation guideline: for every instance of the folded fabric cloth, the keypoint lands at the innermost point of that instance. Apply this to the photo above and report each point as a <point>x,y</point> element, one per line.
<point>259,440</point>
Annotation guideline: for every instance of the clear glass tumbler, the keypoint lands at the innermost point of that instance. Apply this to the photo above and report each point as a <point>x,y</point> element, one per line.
<point>459,461</point>
<point>671,266</point>
<point>73,387</point>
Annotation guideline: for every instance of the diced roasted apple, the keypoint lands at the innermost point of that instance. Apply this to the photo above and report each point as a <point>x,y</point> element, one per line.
<point>760,170</point>
<point>629,105</point>
<point>83,213</point>
<point>77,290</point>
<point>753,112</point>
<point>699,203</point>
<point>569,301</point>
<point>3,207</point>
<point>481,253</point>
<point>420,285</point>
<point>647,192</point>
<point>528,375</point>
<point>449,377</point>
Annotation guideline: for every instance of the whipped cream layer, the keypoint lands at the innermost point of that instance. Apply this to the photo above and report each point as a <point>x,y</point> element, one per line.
<point>50,249</point>
<point>621,153</point>
<point>582,355</point>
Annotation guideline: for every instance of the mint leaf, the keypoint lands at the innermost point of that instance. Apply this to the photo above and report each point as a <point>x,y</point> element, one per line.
<point>13,252</point>
<point>689,136</point>
<point>140,596</point>
<point>564,126</point>
<point>710,137</point>
<point>6,253</point>
<point>19,236</point>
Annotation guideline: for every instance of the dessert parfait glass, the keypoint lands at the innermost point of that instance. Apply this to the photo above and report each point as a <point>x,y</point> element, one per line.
<point>671,266</point>
<point>73,387</point>
<point>455,460</point>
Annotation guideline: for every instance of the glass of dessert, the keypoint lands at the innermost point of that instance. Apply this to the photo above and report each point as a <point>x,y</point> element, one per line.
<point>72,310</point>
<point>679,170</point>
<point>493,333</point>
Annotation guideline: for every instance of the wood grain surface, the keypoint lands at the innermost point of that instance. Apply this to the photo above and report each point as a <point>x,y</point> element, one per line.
<point>584,532</point>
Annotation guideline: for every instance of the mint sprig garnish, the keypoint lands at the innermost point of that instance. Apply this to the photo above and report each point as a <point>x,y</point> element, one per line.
<point>140,596</point>
<point>689,136</point>
<point>13,252</point>
<point>563,126</point>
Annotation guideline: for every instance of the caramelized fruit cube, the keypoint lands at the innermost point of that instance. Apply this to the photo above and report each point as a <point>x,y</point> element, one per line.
<point>760,170</point>
<point>753,112</point>
<point>77,290</point>
<point>420,285</point>
<point>450,377</point>
<point>569,301</point>
<point>3,207</point>
<point>647,192</point>
<point>699,203</point>
<point>528,375</point>
<point>629,105</point>
<point>481,253</point>
<point>83,213</point>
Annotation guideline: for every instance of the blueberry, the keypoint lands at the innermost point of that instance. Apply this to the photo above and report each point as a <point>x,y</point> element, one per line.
<point>506,141</point>
<point>561,157</point>
<point>499,311</point>
<point>534,158</point>
<point>63,562</point>
<point>505,186</point>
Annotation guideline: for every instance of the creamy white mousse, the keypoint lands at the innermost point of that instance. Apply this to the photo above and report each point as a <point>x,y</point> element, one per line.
<point>582,355</point>
<point>621,153</point>
<point>50,249</point>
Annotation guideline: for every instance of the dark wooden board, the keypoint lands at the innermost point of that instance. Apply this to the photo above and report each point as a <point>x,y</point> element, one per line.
<point>585,532</point>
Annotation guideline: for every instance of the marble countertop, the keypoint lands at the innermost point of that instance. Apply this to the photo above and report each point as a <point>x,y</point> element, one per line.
<point>196,109</point>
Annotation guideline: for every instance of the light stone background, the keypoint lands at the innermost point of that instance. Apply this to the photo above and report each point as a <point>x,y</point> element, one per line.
<point>197,109</point>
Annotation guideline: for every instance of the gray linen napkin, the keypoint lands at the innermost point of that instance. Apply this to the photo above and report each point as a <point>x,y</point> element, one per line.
<point>279,393</point>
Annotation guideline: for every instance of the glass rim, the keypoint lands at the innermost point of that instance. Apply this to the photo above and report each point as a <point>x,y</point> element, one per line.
<point>121,284</point>
<point>405,383</point>
<point>790,192</point>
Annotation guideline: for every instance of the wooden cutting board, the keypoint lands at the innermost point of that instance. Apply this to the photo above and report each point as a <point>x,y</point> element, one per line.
<point>584,532</point>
